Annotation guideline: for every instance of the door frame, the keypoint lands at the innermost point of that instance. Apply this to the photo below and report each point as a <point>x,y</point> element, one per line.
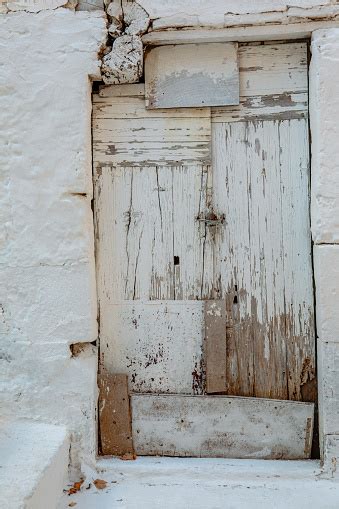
<point>324,251</point>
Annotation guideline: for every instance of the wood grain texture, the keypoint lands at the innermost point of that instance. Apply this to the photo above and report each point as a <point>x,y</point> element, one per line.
<point>115,423</point>
<point>236,229</point>
<point>217,426</point>
<point>185,76</point>
<point>150,243</point>
<point>215,346</point>
<point>126,134</point>
<point>157,344</point>
<point>273,83</point>
<point>263,257</point>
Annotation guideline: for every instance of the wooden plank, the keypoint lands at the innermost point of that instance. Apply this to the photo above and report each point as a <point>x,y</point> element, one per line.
<point>217,426</point>
<point>182,76</point>
<point>215,346</point>
<point>157,344</point>
<point>261,182</point>
<point>273,83</point>
<point>150,243</point>
<point>115,428</point>
<point>268,107</point>
<point>128,90</point>
<point>125,133</point>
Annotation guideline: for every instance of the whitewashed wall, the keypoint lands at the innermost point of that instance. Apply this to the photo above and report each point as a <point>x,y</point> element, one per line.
<point>47,284</point>
<point>47,280</point>
<point>324,114</point>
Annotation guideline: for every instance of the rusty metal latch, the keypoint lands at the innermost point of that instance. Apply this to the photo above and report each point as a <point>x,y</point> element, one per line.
<point>211,219</point>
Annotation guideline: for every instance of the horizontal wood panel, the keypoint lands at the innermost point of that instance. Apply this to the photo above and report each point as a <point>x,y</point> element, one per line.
<point>124,133</point>
<point>267,69</point>
<point>217,426</point>
<point>268,107</point>
<point>183,76</point>
<point>215,346</point>
<point>273,83</point>
<point>157,344</point>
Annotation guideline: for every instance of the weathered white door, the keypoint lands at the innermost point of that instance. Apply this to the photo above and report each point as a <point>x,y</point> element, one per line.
<point>194,205</point>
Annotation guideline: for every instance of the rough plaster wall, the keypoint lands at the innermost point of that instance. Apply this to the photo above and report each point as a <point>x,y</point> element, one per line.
<point>47,279</point>
<point>324,114</point>
<point>227,13</point>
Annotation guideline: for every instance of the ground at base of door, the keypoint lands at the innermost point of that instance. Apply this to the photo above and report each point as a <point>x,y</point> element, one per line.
<point>194,483</point>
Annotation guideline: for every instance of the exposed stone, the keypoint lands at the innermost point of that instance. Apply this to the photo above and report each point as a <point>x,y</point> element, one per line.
<point>124,64</point>
<point>324,112</point>
<point>115,13</point>
<point>127,18</point>
<point>136,19</point>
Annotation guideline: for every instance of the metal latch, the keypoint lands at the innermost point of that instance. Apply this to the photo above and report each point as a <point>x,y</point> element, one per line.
<point>211,219</point>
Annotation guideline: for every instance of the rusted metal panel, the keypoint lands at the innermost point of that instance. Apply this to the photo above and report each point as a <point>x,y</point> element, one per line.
<point>115,426</point>
<point>236,229</point>
<point>218,426</point>
<point>215,346</point>
<point>194,75</point>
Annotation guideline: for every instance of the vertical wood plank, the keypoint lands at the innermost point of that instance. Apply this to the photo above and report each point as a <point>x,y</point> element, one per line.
<point>215,346</point>
<point>263,258</point>
<point>115,422</point>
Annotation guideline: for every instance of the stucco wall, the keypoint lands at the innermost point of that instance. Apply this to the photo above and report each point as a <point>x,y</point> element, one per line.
<point>324,114</point>
<point>47,278</point>
<point>47,274</point>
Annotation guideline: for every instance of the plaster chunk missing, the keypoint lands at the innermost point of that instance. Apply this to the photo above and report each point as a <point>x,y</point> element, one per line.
<point>124,63</point>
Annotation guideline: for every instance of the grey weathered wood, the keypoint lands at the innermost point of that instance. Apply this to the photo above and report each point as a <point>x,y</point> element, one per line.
<point>184,76</point>
<point>218,426</point>
<point>215,346</point>
<point>126,134</point>
<point>273,84</point>
<point>151,245</point>
<point>115,425</point>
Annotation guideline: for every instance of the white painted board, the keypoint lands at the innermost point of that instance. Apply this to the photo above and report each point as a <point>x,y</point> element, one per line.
<point>194,75</point>
<point>157,344</point>
<point>125,133</point>
<point>273,83</point>
<point>218,426</point>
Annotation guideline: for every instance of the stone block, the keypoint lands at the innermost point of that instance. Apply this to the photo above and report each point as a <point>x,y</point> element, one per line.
<point>324,112</point>
<point>326,274</point>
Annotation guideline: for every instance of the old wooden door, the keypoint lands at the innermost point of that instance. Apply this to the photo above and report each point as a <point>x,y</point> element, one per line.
<point>194,205</point>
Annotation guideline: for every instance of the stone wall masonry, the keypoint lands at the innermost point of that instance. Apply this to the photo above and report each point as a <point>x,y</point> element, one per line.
<point>47,274</point>
<point>324,111</point>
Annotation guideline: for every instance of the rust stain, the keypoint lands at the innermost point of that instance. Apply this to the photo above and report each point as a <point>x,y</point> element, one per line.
<point>198,378</point>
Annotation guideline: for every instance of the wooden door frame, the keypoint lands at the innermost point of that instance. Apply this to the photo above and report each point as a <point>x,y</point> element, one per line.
<point>327,367</point>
